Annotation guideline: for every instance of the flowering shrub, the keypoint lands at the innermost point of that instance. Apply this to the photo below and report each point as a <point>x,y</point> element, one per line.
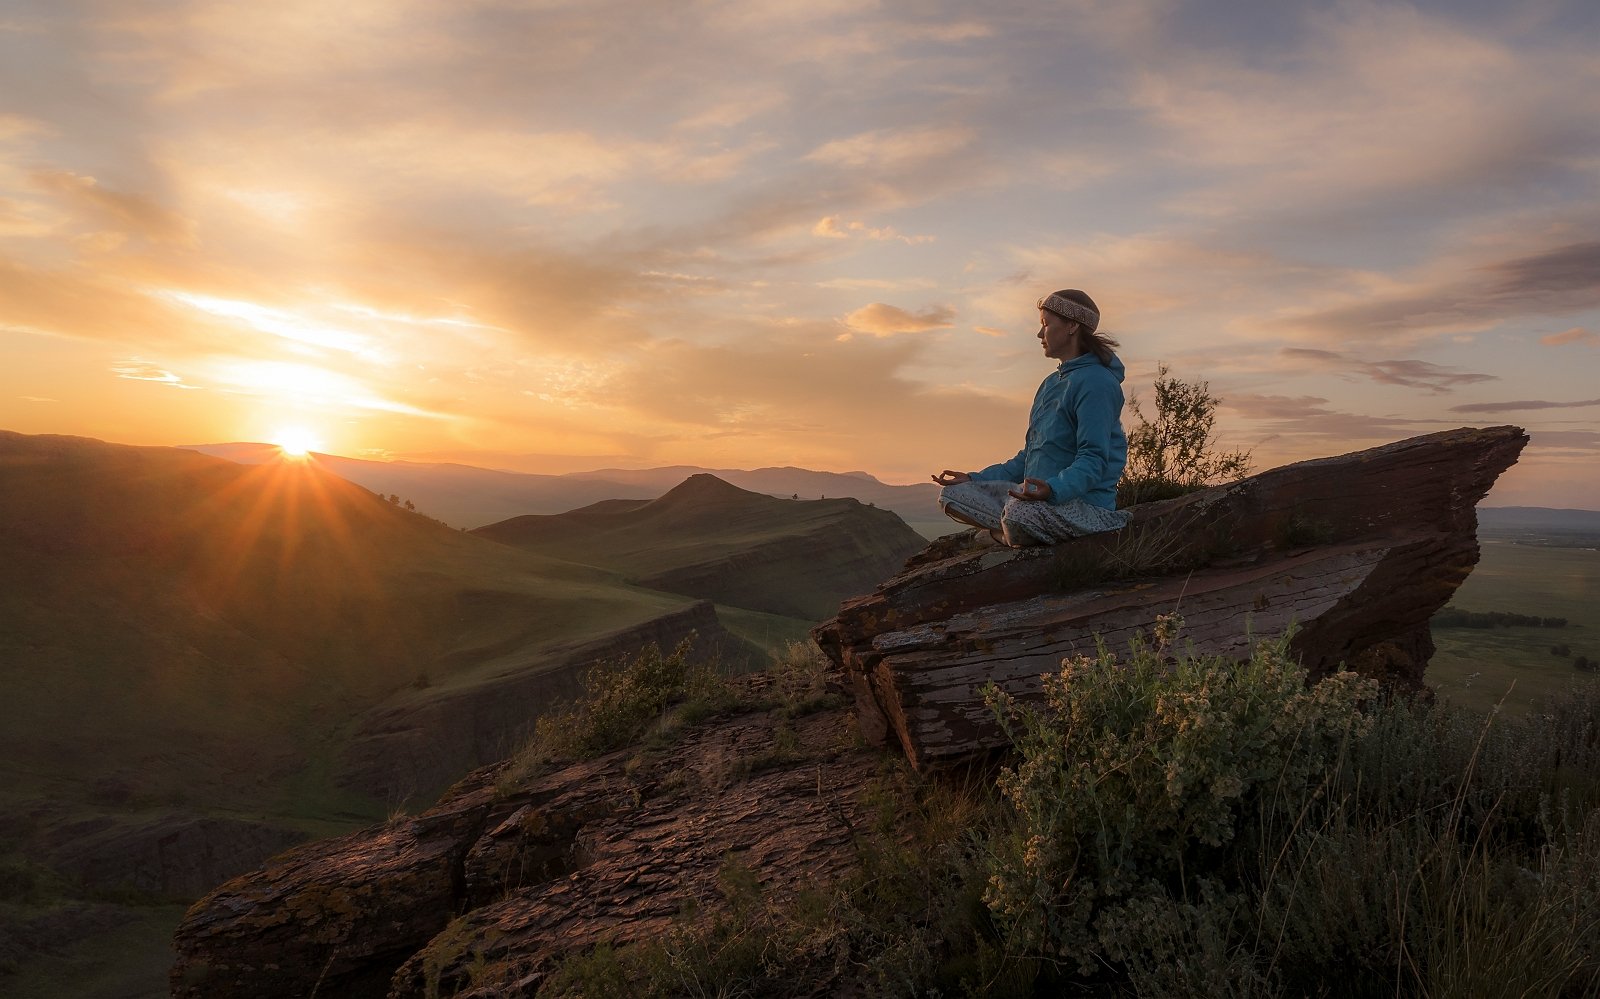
<point>1133,778</point>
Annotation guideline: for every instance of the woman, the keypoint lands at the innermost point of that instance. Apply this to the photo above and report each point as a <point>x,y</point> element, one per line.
<point>1063,483</point>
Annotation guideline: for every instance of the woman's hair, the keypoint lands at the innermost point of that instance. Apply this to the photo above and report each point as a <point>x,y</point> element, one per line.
<point>1100,344</point>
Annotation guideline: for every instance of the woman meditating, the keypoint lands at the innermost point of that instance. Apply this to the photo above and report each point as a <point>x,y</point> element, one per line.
<point>1063,483</point>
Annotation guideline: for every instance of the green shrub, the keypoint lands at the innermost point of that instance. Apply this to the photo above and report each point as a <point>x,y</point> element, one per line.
<point>1134,777</point>
<point>619,704</point>
<point>1181,825</point>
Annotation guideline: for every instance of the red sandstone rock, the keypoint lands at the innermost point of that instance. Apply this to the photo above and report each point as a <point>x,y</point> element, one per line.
<point>1357,551</point>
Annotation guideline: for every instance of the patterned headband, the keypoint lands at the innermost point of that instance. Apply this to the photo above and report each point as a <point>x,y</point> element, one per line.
<point>1066,308</point>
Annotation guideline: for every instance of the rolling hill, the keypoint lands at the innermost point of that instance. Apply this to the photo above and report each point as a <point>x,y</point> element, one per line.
<point>227,656</point>
<point>464,496</point>
<point>186,640</point>
<point>710,539</point>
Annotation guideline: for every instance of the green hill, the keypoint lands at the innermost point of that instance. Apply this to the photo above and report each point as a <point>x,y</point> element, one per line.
<point>186,628</point>
<point>204,661</point>
<point>709,539</point>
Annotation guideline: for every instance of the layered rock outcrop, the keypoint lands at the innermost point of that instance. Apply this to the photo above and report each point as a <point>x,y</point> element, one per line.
<point>476,895</point>
<point>1355,552</point>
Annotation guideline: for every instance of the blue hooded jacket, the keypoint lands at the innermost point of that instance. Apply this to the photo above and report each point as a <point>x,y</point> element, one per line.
<point>1075,438</point>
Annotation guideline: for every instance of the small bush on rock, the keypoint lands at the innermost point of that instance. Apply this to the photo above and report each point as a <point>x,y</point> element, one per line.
<point>1134,778</point>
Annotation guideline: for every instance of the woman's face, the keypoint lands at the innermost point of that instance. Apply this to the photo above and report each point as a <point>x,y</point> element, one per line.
<point>1055,334</point>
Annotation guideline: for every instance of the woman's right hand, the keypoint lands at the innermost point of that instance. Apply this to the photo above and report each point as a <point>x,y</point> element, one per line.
<point>949,478</point>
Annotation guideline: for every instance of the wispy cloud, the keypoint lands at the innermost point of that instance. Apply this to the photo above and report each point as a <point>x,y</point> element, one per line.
<point>894,148</point>
<point>132,213</point>
<point>1521,405</point>
<point>830,227</point>
<point>881,319</point>
<point>1409,372</point>
<point>143,371</point>
<point>1575,335</point>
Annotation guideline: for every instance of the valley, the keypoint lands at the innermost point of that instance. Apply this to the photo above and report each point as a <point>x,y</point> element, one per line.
<point>206,662</point>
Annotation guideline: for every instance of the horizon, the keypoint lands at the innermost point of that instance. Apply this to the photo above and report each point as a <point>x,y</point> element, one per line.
<point>806,236</point>
<point>286,455</point>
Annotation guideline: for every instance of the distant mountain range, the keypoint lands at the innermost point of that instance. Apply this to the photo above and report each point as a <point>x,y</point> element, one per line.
<point>1539,525</point>
<point>465,496</point>
<point>1536,517</point>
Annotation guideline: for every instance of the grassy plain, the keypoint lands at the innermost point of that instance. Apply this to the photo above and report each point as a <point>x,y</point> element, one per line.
<point>1477,667</point>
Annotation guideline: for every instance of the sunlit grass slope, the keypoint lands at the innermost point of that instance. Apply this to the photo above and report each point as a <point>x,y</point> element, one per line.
<point>190,630</point>
<point>710,539</point>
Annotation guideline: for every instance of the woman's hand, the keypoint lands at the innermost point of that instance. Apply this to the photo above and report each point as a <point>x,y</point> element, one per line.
<point>1032,489</point>
<point>949,478</point>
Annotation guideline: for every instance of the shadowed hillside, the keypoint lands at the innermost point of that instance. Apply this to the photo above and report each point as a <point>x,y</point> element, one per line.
<point>465,496</point>
<point>709,539</point>
<point>204,662</point>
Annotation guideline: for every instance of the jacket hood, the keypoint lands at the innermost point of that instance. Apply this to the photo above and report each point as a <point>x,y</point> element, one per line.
<point>1085,360</point>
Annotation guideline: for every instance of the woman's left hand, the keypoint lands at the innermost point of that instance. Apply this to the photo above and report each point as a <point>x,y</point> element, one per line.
<point>1033,489</point>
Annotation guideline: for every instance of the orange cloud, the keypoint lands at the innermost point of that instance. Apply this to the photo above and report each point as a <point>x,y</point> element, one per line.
<point>143,371</point>
<point>880,319</point>
<point>127,212</point>
<point>1575,335</point>
<point>830,227</point>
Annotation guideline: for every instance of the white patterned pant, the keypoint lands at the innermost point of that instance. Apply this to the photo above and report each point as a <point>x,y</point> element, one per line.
<point>1025,522</point>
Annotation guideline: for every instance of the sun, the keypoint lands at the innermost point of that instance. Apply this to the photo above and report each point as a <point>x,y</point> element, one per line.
<point>296,442</point>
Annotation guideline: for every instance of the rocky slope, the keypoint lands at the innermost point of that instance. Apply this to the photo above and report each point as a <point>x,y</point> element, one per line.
<point>409,744</point>
<point>474,896</point>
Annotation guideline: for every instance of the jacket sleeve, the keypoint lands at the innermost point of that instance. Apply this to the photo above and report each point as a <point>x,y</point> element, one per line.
<point>1097,410</point>
<point>1005,471</point>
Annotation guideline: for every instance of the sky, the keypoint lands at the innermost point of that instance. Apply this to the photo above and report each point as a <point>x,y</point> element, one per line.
<point>549,236</point>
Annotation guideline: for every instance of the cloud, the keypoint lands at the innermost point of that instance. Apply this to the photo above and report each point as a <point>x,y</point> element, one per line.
<point>128,212</point>
<point>881,320</point>
<point>1519,405</point>
<point>1408,373</point>
<point>894,148</point>
<point>1301,426</point>
<point>1556,280</point>
<point>1317,127</point>
<point>829,227</point>
<point>875,284</point>
<point>760,396</point>
<point>143,371</point>
<point>1575,335</point>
